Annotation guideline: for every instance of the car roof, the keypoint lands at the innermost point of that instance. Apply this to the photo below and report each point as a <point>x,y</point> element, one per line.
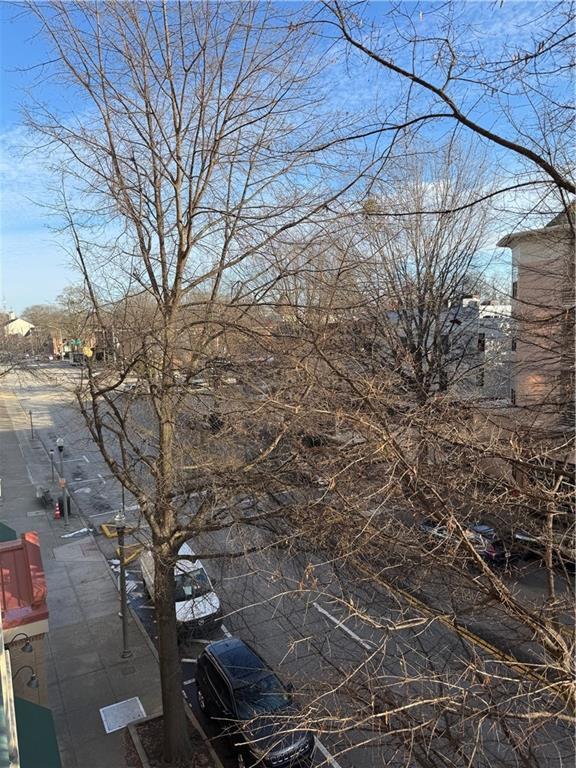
<point>186,549</point>
<point>188,565</point>
<point>482,528</point>
<point>238,660</point>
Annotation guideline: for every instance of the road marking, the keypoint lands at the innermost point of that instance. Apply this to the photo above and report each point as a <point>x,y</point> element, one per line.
<point>188,661</point>
<point>189,682</point>
<point>132,508</point>
<point>77,482</point>
<point>332,760</point>
<point>83,490</point>
<point>101,478</point>
<point>99,514</point>
<point>340,625</point>
<point>75,533</point>
<point>225,630</point>
<point>471,637</point>
<point>85,459</point>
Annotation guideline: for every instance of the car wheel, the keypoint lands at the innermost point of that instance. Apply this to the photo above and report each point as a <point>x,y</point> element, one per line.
<point>202,703</point>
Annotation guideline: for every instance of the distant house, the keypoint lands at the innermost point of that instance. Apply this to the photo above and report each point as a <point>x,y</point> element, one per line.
<point>17,326</point>
<point>466,349</point>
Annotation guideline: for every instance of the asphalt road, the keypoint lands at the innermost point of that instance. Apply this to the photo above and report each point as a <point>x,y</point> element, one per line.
<point>301,628</point>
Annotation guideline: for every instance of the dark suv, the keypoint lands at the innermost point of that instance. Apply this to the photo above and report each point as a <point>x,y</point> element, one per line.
<point>237,686</point>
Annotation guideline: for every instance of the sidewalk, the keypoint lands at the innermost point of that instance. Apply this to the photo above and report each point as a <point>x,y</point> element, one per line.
<point>84,671</point>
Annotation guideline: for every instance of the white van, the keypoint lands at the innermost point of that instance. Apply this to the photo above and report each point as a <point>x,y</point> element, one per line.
<point>197,605</point>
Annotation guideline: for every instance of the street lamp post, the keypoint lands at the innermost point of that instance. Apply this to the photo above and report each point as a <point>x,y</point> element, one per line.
<point>51,452</point>
<point>120,522</point>
<point>31,425</point>
<point>60,444</point>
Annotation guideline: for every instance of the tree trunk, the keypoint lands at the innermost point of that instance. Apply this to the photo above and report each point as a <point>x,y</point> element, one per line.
<point>177,747</point>
<point>549,556</point>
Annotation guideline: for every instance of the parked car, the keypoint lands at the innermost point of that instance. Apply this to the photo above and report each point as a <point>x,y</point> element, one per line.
<point>499,552</point>
<point>482,537</point>
<point>197,605</point>
<point>534,545</point>
<point>237,686</point>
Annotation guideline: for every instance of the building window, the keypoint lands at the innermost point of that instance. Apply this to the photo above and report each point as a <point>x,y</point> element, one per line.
<point>481,342</point>
<point>515,289</point>
<point>513,343</point>
<point>513,396</point>
<point>480,378</point>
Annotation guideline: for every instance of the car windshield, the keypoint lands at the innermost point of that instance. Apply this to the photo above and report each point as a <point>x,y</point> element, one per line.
<point>258,697</point>
<point>190,584</point>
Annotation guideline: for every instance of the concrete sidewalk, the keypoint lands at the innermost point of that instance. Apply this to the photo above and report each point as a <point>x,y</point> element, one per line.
<point>84,670</point>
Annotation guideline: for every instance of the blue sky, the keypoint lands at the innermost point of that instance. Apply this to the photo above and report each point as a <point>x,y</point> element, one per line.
<point>33,266</point>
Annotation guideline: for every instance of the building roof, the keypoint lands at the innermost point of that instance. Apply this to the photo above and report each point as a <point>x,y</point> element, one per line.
<point>18,326</point>
<point>565,221</point>
<point>22,582</point>
<point>565,217</point>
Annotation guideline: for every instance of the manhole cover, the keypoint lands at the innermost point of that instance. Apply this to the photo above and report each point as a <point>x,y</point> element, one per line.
<point>117,716</point>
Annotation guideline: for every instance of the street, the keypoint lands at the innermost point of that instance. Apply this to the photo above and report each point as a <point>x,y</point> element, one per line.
<point>295,610</point>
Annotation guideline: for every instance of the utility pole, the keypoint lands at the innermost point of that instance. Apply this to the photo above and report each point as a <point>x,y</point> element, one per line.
<point>120,522</point>
<point>51,452</point>
<point>60,444</point>
<point>31,425</point>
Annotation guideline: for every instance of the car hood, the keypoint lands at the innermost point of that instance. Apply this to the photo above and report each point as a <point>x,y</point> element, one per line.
<point>270,734</point>
<point>198,608</point>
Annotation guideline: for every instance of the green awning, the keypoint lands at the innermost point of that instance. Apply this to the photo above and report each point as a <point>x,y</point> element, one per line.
<point>37,743</point>
<point>7,533</point>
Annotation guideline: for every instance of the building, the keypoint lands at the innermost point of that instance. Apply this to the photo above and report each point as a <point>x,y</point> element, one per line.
<point>543,348</point>
<point>463,350</point>
<point>16,326</point>
<point>27,734</point>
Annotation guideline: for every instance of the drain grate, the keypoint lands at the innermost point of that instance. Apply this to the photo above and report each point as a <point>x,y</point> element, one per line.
<point>117,716</point>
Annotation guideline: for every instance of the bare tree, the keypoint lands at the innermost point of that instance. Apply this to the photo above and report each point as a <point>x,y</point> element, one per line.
<point>188,156</point>
<point>437,54</point>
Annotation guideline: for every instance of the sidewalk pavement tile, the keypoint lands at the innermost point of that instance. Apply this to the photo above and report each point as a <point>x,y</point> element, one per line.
<point>96,753</point>
<point>101,609</point>
<point>129,684</point>
<point>77,665</point>
<point>55,700</point>
<point>92,688</point>
<point>107,637</point>
<point>86,724</point>
<point>65,615</point>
